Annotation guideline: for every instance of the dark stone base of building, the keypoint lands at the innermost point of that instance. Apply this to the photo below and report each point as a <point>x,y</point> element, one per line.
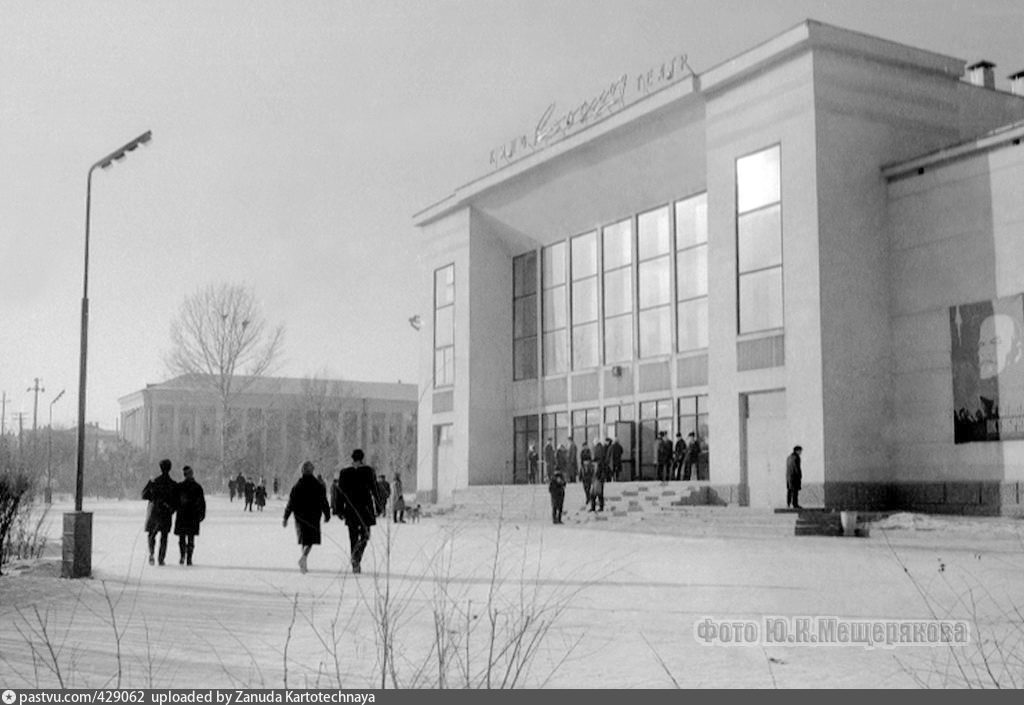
<point>990,498</point>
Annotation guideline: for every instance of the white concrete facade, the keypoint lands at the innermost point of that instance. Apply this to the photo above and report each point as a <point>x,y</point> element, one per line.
<point>839,106</point>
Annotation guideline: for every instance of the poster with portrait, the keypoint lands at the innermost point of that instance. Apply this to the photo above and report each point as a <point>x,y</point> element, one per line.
<point>988,370</point>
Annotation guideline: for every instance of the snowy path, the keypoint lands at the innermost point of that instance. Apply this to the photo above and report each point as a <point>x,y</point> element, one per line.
<point>619,602</point>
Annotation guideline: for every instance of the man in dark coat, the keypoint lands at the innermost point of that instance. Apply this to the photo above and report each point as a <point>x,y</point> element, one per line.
<point>308,501</point>
<point>191,512</point>
<point>250,495</point>
<point>574,461</point>
<point>678,455</point>
<point>663,453</point>
<point>616,459</point>
<point>383,495</point>
<point>586,470</point>
<point>794,476</point>
<point>532,459</point>
<point>600,458</point>
<point>354,499</point>
<point>163,500</point>
<point>557,489</point>
<point>692,457</point>
<point>549,460</point>
<point>601,476</point>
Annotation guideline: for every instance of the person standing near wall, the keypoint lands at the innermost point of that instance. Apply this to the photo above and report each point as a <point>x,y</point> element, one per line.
<point>663,456</point>
<point>574,460</point>
<point>308,501</point>
<point>549,460</point>
<point>398,501</point>
<point>616,460</point>
<point>191,512</point>
<point>692,457</point>
<point>678,455</point>
<point>794,478</point>
<point>532,458</point>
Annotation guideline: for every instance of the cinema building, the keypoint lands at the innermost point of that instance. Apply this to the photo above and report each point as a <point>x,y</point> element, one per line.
<point>818,242</point>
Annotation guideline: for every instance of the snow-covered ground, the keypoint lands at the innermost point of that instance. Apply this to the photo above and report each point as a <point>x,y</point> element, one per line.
<point>610,604</point>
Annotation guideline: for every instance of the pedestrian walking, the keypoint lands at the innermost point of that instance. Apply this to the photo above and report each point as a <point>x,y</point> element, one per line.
<point>557,489</point>
<point>308,502</point>
<point>250,495</point>
<point>231,490</point>
<point>161,492</point>
<point>260,496</point>
<point>600,477</point>
<point>354,500</point>
<point>190,514</point>
<point>794,478</point>
<point>398,503</point>
<point>383,494</point>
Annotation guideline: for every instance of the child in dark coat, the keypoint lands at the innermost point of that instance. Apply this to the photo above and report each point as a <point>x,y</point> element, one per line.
<point>557,489</point>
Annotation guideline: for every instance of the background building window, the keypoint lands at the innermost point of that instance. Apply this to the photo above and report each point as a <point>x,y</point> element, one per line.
<point>692,273</point>
<point>759,240</point>
<point>556,427</point>
<point>617,251</point>
<point>524,316</point>
<point>555,314</point>
<point>444,326</point>
<point>654,282</point>
<point>585,346</point>
<point>655,417</point>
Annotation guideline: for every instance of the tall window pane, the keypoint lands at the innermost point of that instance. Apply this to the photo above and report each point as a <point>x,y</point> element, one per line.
<point>585,346</point>
<point>617,251</point>
<point>444,326</point>
<point>692,273</point>
<point>654,282</point>
<point>524,316</point>
<point>759,240</point>
<point>554,319</point>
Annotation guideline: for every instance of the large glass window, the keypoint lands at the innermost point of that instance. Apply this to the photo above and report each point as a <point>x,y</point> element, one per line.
<point>586,425</point>
<point>654,282</point>
<point>585,350</point>
<point>759,240</point>
<point>526,430</point>
<point>655,417</point>
<point>693,418</point>
<point>555,316</point>
<point>618,291</point>
<point>444,326</point>
<point>524,316</point>
<point>692,273</point>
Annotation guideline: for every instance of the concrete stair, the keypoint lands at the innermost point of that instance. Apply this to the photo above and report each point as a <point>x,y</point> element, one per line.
<point>680,508</point>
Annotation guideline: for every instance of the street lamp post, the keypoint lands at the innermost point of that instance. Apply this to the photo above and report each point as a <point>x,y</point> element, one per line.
<point>77,538</point>
<point>49,451</point>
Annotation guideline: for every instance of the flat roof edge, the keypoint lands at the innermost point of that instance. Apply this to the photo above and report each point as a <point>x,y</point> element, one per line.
<point>651,103</point>
<point>813,35</point>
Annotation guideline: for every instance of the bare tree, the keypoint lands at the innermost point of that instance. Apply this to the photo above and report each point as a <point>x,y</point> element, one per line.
<point>320,408</point>
<point>221,339</point>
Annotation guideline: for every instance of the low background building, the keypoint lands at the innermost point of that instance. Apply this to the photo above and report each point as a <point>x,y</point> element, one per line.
<point>275,424</point>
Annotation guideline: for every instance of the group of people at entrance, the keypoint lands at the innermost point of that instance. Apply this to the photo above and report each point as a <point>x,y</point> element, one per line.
<point>604,460</point>
<point>677,462</point>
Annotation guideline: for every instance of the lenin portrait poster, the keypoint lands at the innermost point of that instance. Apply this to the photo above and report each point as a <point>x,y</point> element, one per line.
<point>988,370</point>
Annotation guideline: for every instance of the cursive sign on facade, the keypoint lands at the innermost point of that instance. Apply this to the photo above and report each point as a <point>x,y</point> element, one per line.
<point>554,126</point>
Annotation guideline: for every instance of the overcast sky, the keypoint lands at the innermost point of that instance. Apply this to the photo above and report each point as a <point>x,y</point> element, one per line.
<point>293,141</point>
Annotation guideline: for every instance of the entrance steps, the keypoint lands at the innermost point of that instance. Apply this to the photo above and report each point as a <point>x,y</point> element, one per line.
<point>681,508</point>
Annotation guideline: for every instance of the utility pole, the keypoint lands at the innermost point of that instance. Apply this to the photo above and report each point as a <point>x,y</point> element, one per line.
<point>35,414</point>
<point>21,428</point>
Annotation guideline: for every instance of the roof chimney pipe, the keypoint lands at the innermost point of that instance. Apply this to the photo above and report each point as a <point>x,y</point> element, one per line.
<point>1017,83</point>
<point>982,74</point>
